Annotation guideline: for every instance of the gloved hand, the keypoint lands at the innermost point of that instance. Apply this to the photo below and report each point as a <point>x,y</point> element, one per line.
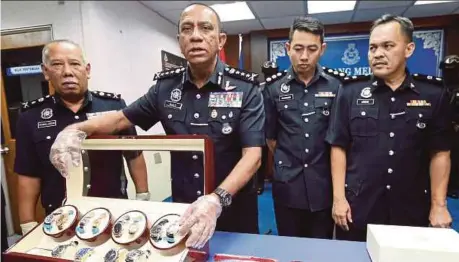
<point>66,149</point>
<point>143,196</point>
<point>200,219</point>
<point>26,227</point>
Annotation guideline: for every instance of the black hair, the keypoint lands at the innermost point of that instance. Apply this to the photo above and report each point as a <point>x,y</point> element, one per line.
<point>307,24</point>
<point>405,24</point>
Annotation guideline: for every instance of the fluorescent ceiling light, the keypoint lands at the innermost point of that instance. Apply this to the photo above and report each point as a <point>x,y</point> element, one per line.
<point>315,7</point>
<point>233,11</point>
<point>430,2</point>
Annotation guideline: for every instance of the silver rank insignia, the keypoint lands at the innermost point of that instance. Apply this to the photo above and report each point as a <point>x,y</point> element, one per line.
<point>214,114</point>
<point>46,113</point>
<point>366,92</point>
<point>227,129</point>
<point>421,125</point>
<point>285,88</point>
<point>230,114</point>
<point>176,95</point>
<point>225,99</point>
<point>228,87</point>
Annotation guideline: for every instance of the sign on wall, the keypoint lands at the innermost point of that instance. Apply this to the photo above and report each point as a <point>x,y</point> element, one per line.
<point>349,53</point>
<point>23,70</point>
<point>171,61</point>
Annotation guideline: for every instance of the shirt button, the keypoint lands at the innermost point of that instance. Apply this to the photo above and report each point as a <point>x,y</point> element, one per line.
<point>391,153</point>
<point>306,104</point>
<point>345,185</point>
<point>196,115</point>
<point>388,187</point>
<point>305,90</point>
<point>306,120</point>
<point>48,137</point>
<point>82,151</point>
<point>195,157</point>
<point>306,150</point>
<point>85,169</point>
<point>196,175</point>
<point>285,106</point>
<point>198,96</point>
<point>391,134</point>
<point>392,99</point>
<point>420,115</point>
<point>325,103</point>
<point>280,162</point>
<point>390,170</point>
<point>198,193</point>
<point>169,116</point>
<point>425,191</point>
<point>305,165</point>
<point>363,113</point>
<point>77,117</point>
<point>50,205</point>
<point>223,117</point>
<point>306,135</point>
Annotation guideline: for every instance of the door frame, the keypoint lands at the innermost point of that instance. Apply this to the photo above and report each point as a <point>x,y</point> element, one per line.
<point>10,187</point>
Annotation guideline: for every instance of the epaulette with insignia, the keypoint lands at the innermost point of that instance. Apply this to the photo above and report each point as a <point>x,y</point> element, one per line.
<point>350,79</point>
<point>429,79</point>
<point>334,72</point>
<point>106,95</point>
<point>275,77</point>
<point>242,75</point>
<point>33,103</point>
<point>169,73</point>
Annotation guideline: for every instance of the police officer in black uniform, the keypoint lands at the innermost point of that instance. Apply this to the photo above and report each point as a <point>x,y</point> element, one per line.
<point>208,98</point>
<point>298,103</point>
<point>386,131</point>
<point>450,70</point>
<point>41,120</point>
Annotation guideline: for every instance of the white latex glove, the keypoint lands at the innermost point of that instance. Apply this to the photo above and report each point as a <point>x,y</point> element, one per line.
<point>200,219</point>
<point>143,196</point>
<point>26,227</point>
<point>66,150</point>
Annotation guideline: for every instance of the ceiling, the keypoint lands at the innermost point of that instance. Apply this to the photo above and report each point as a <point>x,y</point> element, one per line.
<point>280,14</point>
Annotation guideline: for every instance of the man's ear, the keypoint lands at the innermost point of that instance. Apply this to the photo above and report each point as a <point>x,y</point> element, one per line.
<point>222,40</point>
<point>287,47</point>
<point>410,47</point>
<point>178,36</point>
<point>44,70</point>
<point>88,70</point>
<point>324,46</point>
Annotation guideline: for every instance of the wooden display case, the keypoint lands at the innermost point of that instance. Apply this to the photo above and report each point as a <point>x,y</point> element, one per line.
<point>37,246</point>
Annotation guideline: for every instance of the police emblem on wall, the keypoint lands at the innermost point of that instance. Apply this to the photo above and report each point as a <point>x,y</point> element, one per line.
<point>176,95</point>
<point>366,92</point>
<point>351,55</point>
<point>46,113</point>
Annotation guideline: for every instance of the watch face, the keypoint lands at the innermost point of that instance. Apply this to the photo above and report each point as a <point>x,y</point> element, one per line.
<point>164,232</point>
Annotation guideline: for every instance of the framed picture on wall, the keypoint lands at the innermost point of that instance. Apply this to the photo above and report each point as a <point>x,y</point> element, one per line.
<point>170,61</point>
<point>348,53</point>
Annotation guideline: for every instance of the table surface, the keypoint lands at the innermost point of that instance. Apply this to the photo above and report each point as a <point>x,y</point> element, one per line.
<point>287,249</point>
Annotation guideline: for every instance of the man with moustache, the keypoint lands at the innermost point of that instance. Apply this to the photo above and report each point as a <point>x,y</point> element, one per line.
<point>388,130</point>
<point>297,104</point>
<point>40,121</point>
<point>207,97</point>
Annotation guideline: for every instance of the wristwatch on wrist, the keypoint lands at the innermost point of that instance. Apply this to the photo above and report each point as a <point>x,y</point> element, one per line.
<point>225,197</point>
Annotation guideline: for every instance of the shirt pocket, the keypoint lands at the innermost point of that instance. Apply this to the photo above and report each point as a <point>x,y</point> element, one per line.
<point>364,122</point>
<point>417,123</point>
<point>322,107</point>
<point>223,122</point>
<point>43,142</point>
<point>289,112</point>
<point>282,165</point>
<point>174,121</point>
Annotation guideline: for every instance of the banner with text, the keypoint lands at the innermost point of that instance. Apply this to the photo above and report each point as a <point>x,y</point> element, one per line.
<point>349,54</point>
<point>170,61</point>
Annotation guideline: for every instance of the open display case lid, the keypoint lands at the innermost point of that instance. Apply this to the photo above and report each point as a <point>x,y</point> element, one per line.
<point>37,246</point>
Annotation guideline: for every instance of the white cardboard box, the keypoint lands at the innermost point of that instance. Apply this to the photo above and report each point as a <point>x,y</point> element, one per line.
<point>417,244</point>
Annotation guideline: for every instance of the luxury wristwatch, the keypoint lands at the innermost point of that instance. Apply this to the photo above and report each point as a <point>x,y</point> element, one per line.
<point>137,255</point>
<point>115,254</point>
<point>83,253</point>
<point>60,249</point>
<point>225,197</point>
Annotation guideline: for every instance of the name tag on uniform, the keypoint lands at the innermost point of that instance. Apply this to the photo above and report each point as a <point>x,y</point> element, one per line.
<point>225,99</point>
<point>286,97</point>
<point>418,103</point>
<point>325,94</point>
<point>174,105</point>
<point>365,102</point>
<point>92,115</point>
<point>45,124</point>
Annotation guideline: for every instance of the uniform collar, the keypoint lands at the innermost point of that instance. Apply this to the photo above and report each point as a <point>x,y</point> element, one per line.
<point>87,99</point>
<point>291,75</point>
<point>407,84</point>
<point>215,77</point>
